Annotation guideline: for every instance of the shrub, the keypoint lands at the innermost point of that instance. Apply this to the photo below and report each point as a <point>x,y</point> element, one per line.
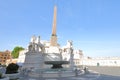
<point>0,75</point>
<point>12,68</point>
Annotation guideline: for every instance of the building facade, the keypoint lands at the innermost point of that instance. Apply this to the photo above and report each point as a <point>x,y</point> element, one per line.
<point>4,56</point>
<point>101,61</point>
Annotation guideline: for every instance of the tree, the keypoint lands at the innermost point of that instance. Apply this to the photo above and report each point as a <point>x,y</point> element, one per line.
<point>16,50</point>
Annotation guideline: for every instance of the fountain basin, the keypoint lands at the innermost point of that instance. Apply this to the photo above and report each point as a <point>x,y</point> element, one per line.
<point>56,64</point>
<point>51,74</point>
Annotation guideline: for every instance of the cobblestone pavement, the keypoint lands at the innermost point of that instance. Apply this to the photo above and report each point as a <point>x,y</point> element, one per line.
<point>89,76</point>
<point>113,71</point>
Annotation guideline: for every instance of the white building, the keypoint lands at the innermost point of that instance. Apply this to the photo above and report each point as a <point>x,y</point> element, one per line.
<point>101,61</point>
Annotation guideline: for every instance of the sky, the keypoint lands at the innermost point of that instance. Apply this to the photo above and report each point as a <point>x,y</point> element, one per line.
<point>92,25</point>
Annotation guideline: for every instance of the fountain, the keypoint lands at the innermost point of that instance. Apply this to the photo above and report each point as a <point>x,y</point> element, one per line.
<point>46,65</point>
<point>45,60</point>
<point>56,64</point>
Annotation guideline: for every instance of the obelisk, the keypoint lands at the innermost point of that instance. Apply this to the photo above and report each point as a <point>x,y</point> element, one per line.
<point>53,41</point>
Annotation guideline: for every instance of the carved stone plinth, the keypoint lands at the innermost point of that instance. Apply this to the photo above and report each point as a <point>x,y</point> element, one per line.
<point>33,60</point>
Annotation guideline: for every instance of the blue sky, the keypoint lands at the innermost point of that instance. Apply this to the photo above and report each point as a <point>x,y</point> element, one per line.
<point>92,25</point>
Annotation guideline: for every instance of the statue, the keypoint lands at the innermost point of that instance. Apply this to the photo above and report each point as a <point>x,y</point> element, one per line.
<point>35,44</point>
<point>33,39</point>
<point>69,44</point>
<point>31,47</point>
<point>38,39</point>
<point>70,51</point>
<point>41,47</point>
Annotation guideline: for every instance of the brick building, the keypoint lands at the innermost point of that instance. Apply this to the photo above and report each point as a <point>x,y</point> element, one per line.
<point>4,56</point>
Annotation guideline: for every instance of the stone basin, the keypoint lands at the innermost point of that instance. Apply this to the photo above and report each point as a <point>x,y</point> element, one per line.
<point>56,64</point>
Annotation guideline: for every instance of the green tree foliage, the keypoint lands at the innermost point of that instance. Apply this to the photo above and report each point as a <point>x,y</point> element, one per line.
<point>16,50</point>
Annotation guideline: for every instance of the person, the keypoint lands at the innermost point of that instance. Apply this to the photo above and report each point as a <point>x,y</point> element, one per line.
<point>76,72</point>
<point>86,69</point>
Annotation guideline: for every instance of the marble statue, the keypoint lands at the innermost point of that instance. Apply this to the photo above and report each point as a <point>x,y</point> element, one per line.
<point>69,44</point>
<point>33,39</point>
<point>35,44</point>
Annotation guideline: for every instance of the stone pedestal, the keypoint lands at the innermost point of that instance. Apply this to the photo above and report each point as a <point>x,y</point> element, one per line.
<point>33,60</point>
